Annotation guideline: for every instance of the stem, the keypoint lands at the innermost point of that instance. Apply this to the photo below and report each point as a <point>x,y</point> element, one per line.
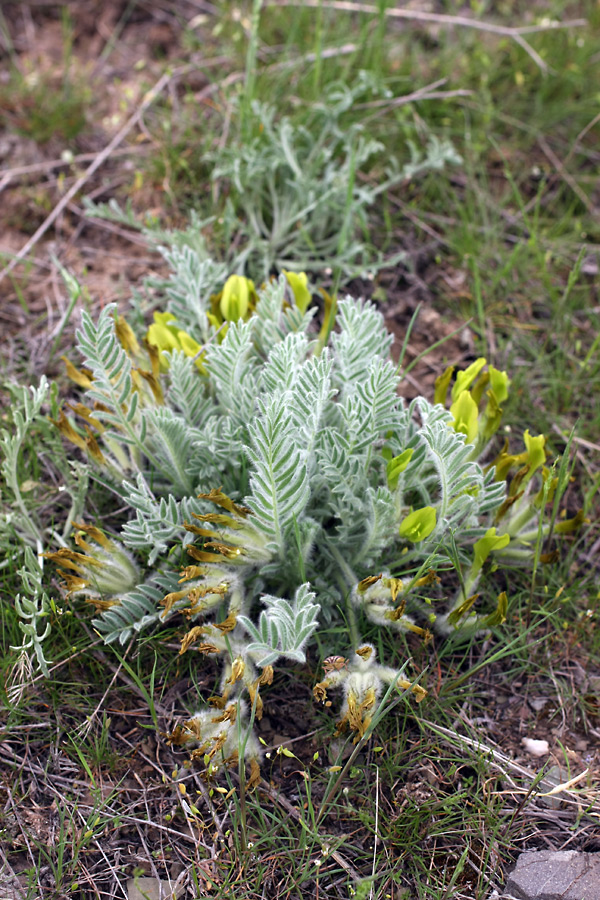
<point>346,580</point>
<point>250,76</point>
<point>352,622</point>
<point>518,522</point>
<point>379,713</point>
<point>242,777</point>
<point>318,48</point>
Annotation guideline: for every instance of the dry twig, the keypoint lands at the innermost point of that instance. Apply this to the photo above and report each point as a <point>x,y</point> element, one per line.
<point>427,92</point>
<point>101,157</point>
<point>566,176</point>
<point>516,33</point>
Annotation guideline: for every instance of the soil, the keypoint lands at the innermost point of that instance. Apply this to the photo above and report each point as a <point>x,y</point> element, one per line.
<point>111,260</point>
<point>144,778</point>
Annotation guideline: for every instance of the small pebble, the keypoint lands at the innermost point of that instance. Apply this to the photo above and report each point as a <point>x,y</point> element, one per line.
<point>535,748</point>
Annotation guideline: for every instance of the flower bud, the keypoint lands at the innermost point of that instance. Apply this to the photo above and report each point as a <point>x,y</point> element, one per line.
<point>298,281</point>
<point>105,568</point>
<point>236,298</point>
<point>418,524</point>
<point>465,413</point>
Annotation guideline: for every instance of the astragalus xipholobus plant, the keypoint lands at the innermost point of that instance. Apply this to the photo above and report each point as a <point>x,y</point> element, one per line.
<point>302,487</point>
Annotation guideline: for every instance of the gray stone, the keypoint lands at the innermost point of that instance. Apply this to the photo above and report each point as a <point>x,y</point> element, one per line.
<point>10,889</point>
<point>553,777</point>
<point>151,889</point>
<point>555,875</point>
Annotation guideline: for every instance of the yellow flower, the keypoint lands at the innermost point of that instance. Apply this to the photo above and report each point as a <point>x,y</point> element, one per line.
<point>486,545</point>
<point>465,378</point>
<point>298,281</point>
<point>396,466</point>
<point>418,524</point>
<point>235,299</point>
<point>464,410</point>
<point>166,337</point>
<point>536,454</point>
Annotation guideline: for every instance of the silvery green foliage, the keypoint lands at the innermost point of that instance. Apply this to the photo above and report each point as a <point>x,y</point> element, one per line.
<point>135,610</point>
<point>293,433</point>
<point>33,609</point>
<point>439,154</point>
<point>158,520</point>
<point>194,277</point>
<point>27,405</point>
<point>465,495</point>
<point>24,532</point>
<point>294,190</point>
<point>273,321</point>
<point>295,200</point>
<point>289,193</point>
<point>272,458</point>
<point>233,368</point>
<point>183,394</point>
<point>279,483</point>
<point>283,628</point>
<point>112,391</point>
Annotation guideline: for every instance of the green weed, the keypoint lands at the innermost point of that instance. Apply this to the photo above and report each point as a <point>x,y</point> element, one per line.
<point>39,106</point>
<point>423,809</point>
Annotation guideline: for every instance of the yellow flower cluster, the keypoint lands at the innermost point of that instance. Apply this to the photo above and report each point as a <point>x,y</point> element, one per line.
<point>236,301</point>
<point>468,391</point>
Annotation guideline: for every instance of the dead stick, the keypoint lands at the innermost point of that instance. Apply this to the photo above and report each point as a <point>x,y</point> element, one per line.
<point>515,33</point>
<point>34,168</point>
<point>149,98</point>
<point>440,18</point>
<point>100,158</point>
<point>561,170</point>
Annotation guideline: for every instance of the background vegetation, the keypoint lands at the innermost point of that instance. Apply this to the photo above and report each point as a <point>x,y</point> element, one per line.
<point>173,107</point>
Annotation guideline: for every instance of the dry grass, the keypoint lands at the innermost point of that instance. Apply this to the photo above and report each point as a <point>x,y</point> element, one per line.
<point>91,793</point>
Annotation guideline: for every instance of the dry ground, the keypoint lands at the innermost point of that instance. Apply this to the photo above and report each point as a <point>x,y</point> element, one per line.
<point>118,51</point>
